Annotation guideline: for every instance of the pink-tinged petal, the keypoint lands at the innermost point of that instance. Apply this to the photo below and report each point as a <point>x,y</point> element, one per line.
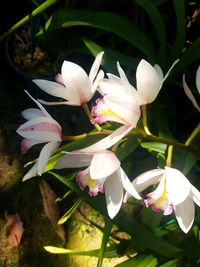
<point>147,179</point>
<point>32,113</point>
<point>128,186</point>
<point>103,164</point>
<point>185,214</point>
<point>26,144</point>
<point>189,94</point>
<point>170,69</point>
<point>198,79</point>
<point>45,153</point>
<point>195,195</point>
<point>148,82</point>
<point>74,160</point>
<point>95,66</point>
<point>95,186</point>
<point>82,177</point>
<point>42,129</point>
<point>103,113</point>
<point>46,114</point>
<point>52,88</point>
<point>31,173</point>
<point>114,194</point>
<point>59,78</point>
<point>108,141</point>
<point>177,186</point>
<point>125,108</point>
<point>77,83</point>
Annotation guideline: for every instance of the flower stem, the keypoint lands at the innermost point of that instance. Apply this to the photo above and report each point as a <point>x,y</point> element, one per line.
<point>144,119</point>
<point>87,112</point>
<point>169,156</point>
<point>193,134</point>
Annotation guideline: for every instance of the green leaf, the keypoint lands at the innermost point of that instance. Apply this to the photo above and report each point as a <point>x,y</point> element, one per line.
<point>107,21</point>
<point>109,253</point>
<point>154,146</point>
<point>34,13</point>
<point>158,24</point>
<point>179,43</point>
<point>111,57</point>
<point>171,263</point>
<point>142,260</point>
<point>190,56</point>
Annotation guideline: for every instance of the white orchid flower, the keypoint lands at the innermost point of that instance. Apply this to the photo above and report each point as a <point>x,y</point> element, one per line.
<point>189,93</point>
<point>174,193</point>
<point>73,84</point>
<point>40,128</point>
<point>103,173</point>
<point>119,108</point>
<point>149,81</point>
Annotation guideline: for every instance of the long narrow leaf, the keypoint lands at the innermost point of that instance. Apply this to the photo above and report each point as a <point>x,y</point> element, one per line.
<point>158,24</point>
<point>179,43</point>
<point>141,260</point>
<point>106,234</point>
<point>107,21</point>
<point>34,13</point>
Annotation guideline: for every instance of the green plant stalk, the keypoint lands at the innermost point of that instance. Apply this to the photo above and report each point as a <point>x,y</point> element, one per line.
<point>169,156</point>
<point>144,119</point>
<point>193,135</point>
<point>105,239</point>
<point>34,13</point>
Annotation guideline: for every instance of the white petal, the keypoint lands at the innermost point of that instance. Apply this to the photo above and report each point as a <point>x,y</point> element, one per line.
<point>95,84</point>
<point>95,66</point>
<point>195,195</point>
<point>103,164</point>
<point>198,79</point>
<point>148,81</point>
<point>145,180</point>
<point>52,88</point>
<point>74,160</point>
<point>32,113</point>
<point>159,71</point>
<point>111,87</point>
<point>177,185</point>
<point>39,105</point>
<point>185,214</point>
<point>31,173</point>
<point>77,82</point>
<point>50,132</point>
<point>189,94</point>
<point>124,107</point>
<point>170,69</point>
<point>108,141</point>
<point>114,194</point>
<point>45,153</point>
<point>128,186</point>
<point>130,90</point>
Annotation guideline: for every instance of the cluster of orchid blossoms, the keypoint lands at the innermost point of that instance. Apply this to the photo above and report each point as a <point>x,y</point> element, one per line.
<point>119,102</point>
